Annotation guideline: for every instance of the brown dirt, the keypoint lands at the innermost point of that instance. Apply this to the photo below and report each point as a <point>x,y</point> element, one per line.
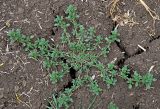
<point>24,84</point>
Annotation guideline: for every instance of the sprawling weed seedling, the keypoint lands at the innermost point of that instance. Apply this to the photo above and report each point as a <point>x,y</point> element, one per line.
<point>94,87</point>
<point>148,79</point>
<point>124,72</point>
<point>77,46</point>
<point>64,98</point>
<point>112,106</point>
<point>109,76</point>
<point>136,79</point>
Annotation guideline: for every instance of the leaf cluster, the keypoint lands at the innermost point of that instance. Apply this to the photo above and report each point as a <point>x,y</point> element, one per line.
<point>136,78</point>
<point>81,43</point>
<point>112,105</point>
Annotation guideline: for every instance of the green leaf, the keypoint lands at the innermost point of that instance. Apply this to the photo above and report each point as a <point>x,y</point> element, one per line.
<point>47,63</point>
<point>15,35</point>
<point>124,72</point>
<point>91,32</point>
<point>77,47</point>
<point>137,78</point>
<point>56,76</point>
<point>99,39</point>
<point>72,14</point>
<point>148,79</point>
<point>130,83</point>
<point>112,106</point>
<point>110,81</point>
<point>113,37</point>
<point>94,87</point>
<point>64,100</point>
<point>34,54</point>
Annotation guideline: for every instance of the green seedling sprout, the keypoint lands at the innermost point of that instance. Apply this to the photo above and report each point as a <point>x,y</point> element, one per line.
<point>112,106</point>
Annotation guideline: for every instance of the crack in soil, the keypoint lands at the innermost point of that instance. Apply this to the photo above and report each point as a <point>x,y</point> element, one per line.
<point>121,47</point>
<point>139,51</point>
<point>126,56</point>
<point>121,62</point>
<point>72,74</point>
<point>136,106</point>
<point>53,32</point>
<point>72,71</point>
<point>154,38</point>
<point>5,104</point>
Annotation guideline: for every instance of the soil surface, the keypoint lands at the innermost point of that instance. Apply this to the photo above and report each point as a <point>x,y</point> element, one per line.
<point>24,84</point>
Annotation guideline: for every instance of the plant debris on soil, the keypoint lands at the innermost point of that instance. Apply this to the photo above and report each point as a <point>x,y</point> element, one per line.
<point>79,54</point>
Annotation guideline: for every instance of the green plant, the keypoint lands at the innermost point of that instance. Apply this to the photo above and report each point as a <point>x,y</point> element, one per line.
<point>62,101</point>
<point>113,37</point>
<point>15,35</point>
<point>42,46</point>
<point>54,103</point>
<point>137,78</point>
<point>109,40</point>
<point>112,106</point>
<point>148,79</point>
<point>33,54</point>
<point>130,83</point>
<point>64,98</point>
<point>47,63</point>
<point>77,49</point>
<point>94,87</point>
<point>124,72</point>
<point>109,76</point>
<point>56,76</point>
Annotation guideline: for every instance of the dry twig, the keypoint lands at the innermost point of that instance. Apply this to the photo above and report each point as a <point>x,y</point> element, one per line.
<point>150,11</point>
<point>112,9</point>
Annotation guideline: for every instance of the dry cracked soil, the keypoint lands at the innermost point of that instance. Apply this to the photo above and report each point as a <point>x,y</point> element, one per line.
<point>24,84</point>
